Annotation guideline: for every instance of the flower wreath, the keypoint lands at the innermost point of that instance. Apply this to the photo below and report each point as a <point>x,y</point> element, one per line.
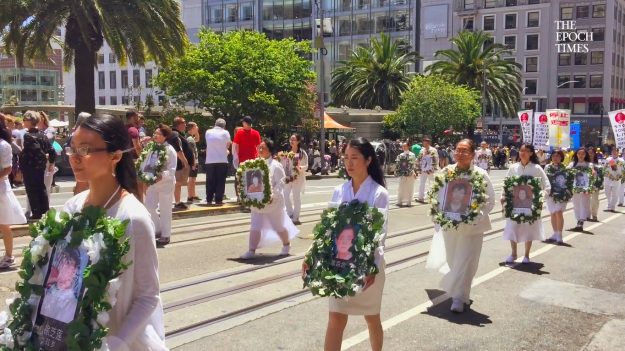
<point>161,151</point>
<point>598,179</point>
<point>104,240</point>
<point>591,179</point>
<point>246,201</point>
<point>323,277</point>
<point>551,171</point>
<point>294,158</point>
<point>612,177</point>
<point>537,200</point>
<point>478,198</point>
<point>408,171</point>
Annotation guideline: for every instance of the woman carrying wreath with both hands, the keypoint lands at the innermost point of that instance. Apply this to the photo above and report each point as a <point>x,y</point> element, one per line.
<point>366,185</point>
<point>297,186</point>
<point>460,255</point>
<point>271,223</point>
<point>596,186</point>
<point>525,232</point>
<point>99,155</point>
<point>581,200</point>
<point>161,193</point>
<point>613,176</point>
<point>405,191</point>
<point>558,184</point>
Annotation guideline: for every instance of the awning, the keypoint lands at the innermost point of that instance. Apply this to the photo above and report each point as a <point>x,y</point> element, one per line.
<point>330,123</point>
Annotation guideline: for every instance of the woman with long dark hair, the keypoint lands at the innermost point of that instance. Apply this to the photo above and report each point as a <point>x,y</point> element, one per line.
<point>99,154</point>
<point>366,185</point>
<point>10,209</point>
<point>528,165</point>
<point>596,186</point>
<point>558,182</point>
<point>581,200</point>
<point>297,186</point>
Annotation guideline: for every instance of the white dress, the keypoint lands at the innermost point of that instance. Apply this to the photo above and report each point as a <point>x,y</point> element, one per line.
<point>10,209</point>
<point>553,206</point>
<point>581,201</point>
<point>456,252</point>
<point>521,232</point>
<point>272,219</point>
<point>405,191</point>
<point>369,301</point>
<point>296,187</point>
<point>160,195</point>
<point>136,321</point>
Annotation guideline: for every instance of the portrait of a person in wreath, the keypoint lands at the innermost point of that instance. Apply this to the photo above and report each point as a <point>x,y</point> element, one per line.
<point>457,197</point>
<point>559,183</point>
<point>523,197</point>
<point>288,167</point>
<point>344,242</point>
<point>426,163</point>
<point>404,165</point>
<point>64,284</point>
<point>581,179</point>
<point>254,181</point>
<point>149,165</point>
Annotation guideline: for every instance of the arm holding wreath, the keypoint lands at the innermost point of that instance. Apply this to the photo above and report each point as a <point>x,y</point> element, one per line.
<point>544,181</point>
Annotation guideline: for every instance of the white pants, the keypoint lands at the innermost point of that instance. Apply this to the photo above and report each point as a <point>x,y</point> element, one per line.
<point>161,195</point>
<point>463,256</point>
<point>293,207</point>
<point>611,193</point>
<point>594,203</point>
<point>581,206</point>
<point>405,190</point>
<point>422,179</point>
<point>621,196</point>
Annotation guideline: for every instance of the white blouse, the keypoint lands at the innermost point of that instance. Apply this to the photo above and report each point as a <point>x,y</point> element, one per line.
<point>6,155</point>
<point>169,172</point>
<point>136,319</point>
<point>533,170</point>
<point>276,178</point>
<point>373,194</point>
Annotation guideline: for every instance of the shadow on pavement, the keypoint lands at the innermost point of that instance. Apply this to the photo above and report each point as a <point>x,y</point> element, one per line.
<point>259,259</point>
<point>578,231</point>
<point>532,267</point>
<point>434,293</point>
<point>557,244</point>
<point>468,317</point>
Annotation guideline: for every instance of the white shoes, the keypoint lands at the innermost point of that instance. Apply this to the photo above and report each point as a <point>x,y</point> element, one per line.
<point>285,250</point>
<point>457,305</point>
<point>510,259</point>
<point>526,260</point>
<point>248,255</point>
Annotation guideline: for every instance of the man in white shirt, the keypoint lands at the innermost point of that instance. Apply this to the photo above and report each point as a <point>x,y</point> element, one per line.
<point>217,144</point>
<point>427,164</point>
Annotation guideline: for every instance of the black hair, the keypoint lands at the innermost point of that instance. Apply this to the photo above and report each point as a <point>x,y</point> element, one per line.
<point>115,135</point>
<point>557,152</point>
<point>586,156</point>
<point>130,114</point>
<point>5,134</point>
<point>533,158</point>
<point>271,147</point>
<point>595,159</point>
<point>366,149</point>
<point>470,142</point>
<point>299,141</point>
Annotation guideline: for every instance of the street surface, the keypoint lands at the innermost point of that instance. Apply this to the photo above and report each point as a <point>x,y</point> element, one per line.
<point>569,298</point>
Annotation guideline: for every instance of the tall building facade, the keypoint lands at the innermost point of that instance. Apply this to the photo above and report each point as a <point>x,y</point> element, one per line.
<point>589,82</point>
<point>34,84</point>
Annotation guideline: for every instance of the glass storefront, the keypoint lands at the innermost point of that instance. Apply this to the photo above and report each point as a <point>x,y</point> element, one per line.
<point>30,86</point>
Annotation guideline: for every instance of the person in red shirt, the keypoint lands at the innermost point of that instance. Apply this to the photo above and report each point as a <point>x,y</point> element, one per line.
<point>245,144</point>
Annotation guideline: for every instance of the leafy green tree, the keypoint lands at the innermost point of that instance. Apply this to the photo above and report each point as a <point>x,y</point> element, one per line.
<point>431,105</point>
<point>136,31</point>
<point>242,73</point>
<point>475,59</point>
<point>373,76</point>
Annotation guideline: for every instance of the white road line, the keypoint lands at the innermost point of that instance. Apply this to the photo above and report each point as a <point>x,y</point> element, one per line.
<point>417,310</point>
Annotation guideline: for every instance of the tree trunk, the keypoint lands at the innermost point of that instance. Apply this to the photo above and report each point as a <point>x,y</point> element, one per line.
<point>84,63</point>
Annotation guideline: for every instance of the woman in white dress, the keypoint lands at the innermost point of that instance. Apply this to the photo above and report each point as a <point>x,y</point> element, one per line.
<point>557,184</point>
<point>613,176</point>
<point>525,232</point>
<point>596,187</point>
<point>296,187</point>
<point>271,224</point>
<point>405,190</point>
<point>99,155</point>
<point>581,201</point>
<point>366,185</point>
<point>160,194</point>
<point>458,258</point>
<point>10,209</point>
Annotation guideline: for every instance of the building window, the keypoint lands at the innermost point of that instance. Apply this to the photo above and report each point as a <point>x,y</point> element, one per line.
<point>580,82</point>
<point>510,21</point>
<point>579,108</point>
<point>217,15</point>
<point>100,59</point>
<point>101,81</point>
<point>530,86</point>
<point>531,42</point>
<point>469,4</point>
<point>596,81</point>
<point>124,79</point>
<point>231,12</point>
<point>596,58</point>
<point>565,105</point>
<point>533,2</point>
<point>113,100</point>
<point>102,100</point>
<point>564,59</point>
<point>564,82</point>
<point>510,41</point>
<point>468,23</point>
<point>247,12</point>
<point>594,108</point>
<point>488,22</point>
<point>345,26</point>
<point>111,58</point>
<point>531,64</point>
<point>582,12</point>
<point>148,78</point>
<point>598,11</point>
<point>511,2</point>
<point>125,100</point>
<point>529,105</point>
<point>346,5</point>
<point>581,58</point>
<point>113,79</point>
<point>490,3</point>
<point>598,34</point>
<point>488,42</point>
<point>136,78</point>
<point>533,19</point>
<point>566,13</point>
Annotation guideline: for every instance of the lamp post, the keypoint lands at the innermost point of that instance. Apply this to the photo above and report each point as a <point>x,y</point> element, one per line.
<point>601,127</point>
<point>318,40</point>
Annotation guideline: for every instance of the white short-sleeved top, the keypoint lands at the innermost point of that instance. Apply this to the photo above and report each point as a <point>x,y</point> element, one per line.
<point>217,140</point>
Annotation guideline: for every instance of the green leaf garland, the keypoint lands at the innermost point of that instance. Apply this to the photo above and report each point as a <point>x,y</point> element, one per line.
<point>246,201</point>
<point>591,179</point>
<point>161,150</point>
<point>322,277</point>
<point>537,200</point>
<point>405,171</point>
<point>551,171</point>
<point>599,178</point>
<point>294,161</point>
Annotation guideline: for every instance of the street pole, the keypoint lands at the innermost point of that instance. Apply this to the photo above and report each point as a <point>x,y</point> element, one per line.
<point>601,128</point>
<point>321,87</point>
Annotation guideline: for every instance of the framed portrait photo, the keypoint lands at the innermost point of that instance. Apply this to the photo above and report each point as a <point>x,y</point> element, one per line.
<point>344,246</point>
<point>148,166</point>
<point>254,183</point>
<point>582,180</point>
<point>455,198</point>
<point>522,199</point>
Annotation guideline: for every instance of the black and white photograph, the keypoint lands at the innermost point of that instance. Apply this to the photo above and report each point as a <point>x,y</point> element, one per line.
<point>457,198</point>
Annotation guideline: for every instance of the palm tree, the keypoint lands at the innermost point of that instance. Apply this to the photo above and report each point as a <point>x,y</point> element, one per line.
<point>475,60</point>
<point>373,76</point>
<point>135,30</point>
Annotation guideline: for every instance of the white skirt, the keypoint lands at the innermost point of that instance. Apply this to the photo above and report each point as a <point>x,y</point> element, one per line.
<point>11,211</point>
<point>553,206</point>
<point>272,222</point>
<point>522,232</point>
<point>366,303</point>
